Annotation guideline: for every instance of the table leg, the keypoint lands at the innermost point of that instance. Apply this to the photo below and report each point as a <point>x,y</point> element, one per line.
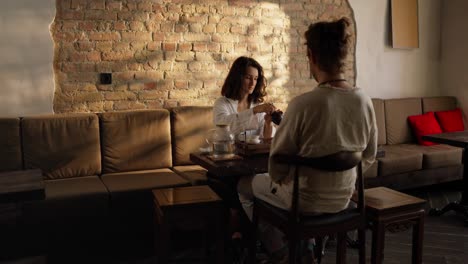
<point>378,241</point>
<point>418,233</point>
<point>462,206</point>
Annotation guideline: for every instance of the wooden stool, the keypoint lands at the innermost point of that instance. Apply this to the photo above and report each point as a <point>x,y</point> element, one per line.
<point>389,209</point>
<point>179,205</point>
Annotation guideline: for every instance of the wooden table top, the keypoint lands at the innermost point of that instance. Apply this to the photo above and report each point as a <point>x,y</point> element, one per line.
<point>185,195</point>
<point>246,165</point>
<point>457,139</point>
<point>382,198</point>
<point>22,185</point>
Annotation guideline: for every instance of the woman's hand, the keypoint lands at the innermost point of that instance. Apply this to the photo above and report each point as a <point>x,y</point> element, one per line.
<point>268,118</point>
<point>267,108</point>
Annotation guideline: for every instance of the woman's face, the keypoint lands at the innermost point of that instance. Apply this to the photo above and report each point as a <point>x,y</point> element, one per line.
<point>249,80</point>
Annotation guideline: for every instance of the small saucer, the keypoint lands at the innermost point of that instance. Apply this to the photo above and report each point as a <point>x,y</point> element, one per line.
<point>254,141</point>
<point>205,150</point>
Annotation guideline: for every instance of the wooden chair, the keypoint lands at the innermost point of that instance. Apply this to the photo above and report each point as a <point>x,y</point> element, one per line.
<point>297,226</point>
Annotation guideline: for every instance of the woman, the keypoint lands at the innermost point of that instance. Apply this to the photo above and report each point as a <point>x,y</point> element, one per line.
<point>334,116</point>
<point>242,107</point>
<point>242,103</point>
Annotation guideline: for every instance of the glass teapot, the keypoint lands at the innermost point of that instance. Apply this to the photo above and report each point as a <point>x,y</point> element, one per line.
<point>222,141</point>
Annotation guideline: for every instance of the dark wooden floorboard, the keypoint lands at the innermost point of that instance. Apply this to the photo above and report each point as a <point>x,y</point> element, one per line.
<point>445,237</point>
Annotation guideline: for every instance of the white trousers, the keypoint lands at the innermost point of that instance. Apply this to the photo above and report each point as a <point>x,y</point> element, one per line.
<point>264,188</point>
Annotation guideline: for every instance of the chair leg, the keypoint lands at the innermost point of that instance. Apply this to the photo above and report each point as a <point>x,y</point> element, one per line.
<point>293,250</point>
<point>318,249</point>
<point>253,238</point>
<point>362,245</point>
<point>341,248</point>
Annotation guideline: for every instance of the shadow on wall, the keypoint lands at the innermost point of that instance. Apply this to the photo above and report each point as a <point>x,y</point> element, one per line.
<point>26,51</point>
<point>174,53</point>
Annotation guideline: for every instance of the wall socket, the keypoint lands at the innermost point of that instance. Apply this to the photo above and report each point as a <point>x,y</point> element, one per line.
<point>105,78</point>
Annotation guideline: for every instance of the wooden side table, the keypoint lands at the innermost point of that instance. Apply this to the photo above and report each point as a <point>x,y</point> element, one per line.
<point>389,209</point>
<point>194,203</point>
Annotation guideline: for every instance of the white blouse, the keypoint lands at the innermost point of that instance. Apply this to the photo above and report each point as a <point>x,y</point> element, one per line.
<point>225,112</point>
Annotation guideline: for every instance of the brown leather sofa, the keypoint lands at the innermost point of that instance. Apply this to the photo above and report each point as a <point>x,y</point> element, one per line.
<point>99,169</point>
<point>407,164</point>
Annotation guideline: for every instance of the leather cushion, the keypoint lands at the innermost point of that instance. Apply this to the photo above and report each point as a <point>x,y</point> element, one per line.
<point>438,103</point>
<point>396,114</point>
<point>135,140</point>
<point>10,144</point>
<point>380,118</point>
<point>62,145</point>
<point>142,180</point>
<point>190,126</point>
<point>437,156</point>
<point>399,160</point>
<point>194,173</point>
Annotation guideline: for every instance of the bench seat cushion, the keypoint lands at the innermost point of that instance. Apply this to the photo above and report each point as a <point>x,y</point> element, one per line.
<point>80,198</point>
<point>194,173</point>
<point>123,182</point>
<point>399,160</point>
<point>437,156</point>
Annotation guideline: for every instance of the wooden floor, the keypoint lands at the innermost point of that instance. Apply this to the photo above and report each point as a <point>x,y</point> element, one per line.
<point>445,237</point>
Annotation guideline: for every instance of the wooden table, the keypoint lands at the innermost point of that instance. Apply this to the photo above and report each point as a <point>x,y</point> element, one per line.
<point>19,186</point>
<point>187,204</point>
<point>244,165</point>
<point>389,209</point>
<point>457,139</point>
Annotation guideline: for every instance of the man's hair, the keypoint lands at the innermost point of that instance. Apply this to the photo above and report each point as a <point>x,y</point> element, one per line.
<point>328,42</point>
<point>233,84</point>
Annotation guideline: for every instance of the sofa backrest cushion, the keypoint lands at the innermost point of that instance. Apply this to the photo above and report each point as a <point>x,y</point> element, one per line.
<point>396,119</point>
<point>438,103</point>
<point>135,140</point>
<point>380,117</point>
<point>189,128</point>
<point>62,145</point>
<point>10,144</point>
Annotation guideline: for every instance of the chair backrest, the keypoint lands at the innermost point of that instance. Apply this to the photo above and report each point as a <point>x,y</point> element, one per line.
<point>340,161</point>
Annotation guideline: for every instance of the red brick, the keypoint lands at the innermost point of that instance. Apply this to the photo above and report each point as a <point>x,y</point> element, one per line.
<point>169,46</point>
<point>184,47</point>
<point>150,86</point>
<point>100,36</point>
<point>120,25</point>
<point>100,15</point>
<point>155,45</point>
<point>71,15</point>
<point>131,36</point>
<point>115,56</point>
<point>145,6</point>
<point>97,4</point>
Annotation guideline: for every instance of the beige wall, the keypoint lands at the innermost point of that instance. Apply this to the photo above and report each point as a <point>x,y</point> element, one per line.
<point>454,77</point>
<point>384,72</point>
<point>26,54</point>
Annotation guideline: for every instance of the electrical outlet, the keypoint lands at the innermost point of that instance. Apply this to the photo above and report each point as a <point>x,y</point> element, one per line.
<point>105,78</point>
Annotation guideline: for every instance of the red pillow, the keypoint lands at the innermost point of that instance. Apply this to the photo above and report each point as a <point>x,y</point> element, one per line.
<point>451,120</point>
<point>424,124</point>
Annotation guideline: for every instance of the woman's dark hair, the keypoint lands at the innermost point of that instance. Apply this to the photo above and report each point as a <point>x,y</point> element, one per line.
<point>328,42</point>
<point>233,83</point>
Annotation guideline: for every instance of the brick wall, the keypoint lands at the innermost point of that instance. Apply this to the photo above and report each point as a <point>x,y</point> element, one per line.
<point>165,53</point>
